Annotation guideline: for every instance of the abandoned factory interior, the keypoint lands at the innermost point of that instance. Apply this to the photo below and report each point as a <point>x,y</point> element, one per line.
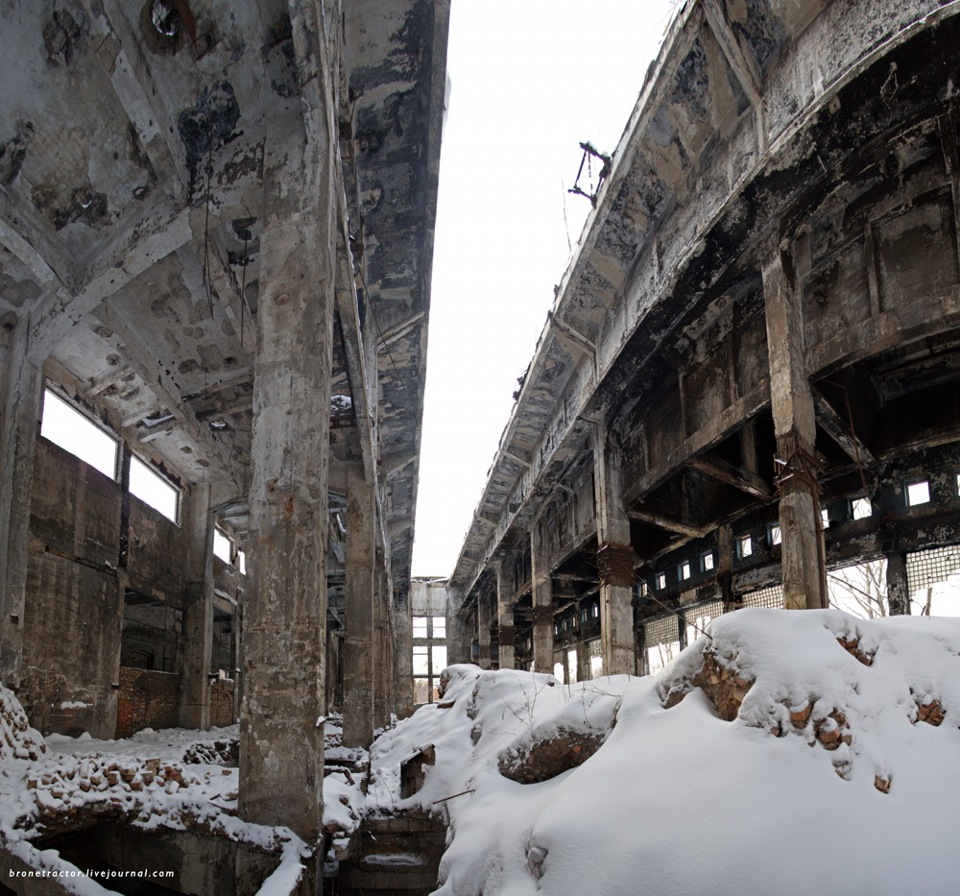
<point>216,241</point>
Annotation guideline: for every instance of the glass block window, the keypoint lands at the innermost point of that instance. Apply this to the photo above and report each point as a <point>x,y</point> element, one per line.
<point>661,643</point>
<point>933,579</point>
<point>770,597</point>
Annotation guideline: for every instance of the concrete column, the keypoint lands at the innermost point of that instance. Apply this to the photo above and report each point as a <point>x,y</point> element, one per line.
<point>18,436</point>
<point>198,614</point>
<point>802,546</point>
<point>898,589</point>
<point>505,620</point>
<point>583,661</point>
<point>483,628</point>
<point>281,743</point>
<point>358,646</point>
<point>359,597</point>
<point>615,556</point>
<point>725,552</point>
<point>458,634</point>
<point>384,656</point>
<point>542,600</point>
<point>403,685</point>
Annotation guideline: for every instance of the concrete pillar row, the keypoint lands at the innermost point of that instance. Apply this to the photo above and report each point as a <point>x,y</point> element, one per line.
<point>803,550</point>
<point>359,600</point>
<point>542,600</point>
<point>281,739</point>
<point>22,404</point>
<point>198,613</point>
<point>505,622</point>
<point>615,556</point>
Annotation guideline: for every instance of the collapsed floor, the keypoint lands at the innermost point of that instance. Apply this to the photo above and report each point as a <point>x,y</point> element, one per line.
<point>773,755</point>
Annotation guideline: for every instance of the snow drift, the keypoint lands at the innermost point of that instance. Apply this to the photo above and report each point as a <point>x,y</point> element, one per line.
<point>783,752</point>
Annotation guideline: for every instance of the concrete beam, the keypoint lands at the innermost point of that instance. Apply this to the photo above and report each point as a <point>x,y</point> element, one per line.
<point>840,430</point>
<point>128,339</point>
<point>744,480</point>
<point>664,522</point>
<point>117,47</point>
<point>137,243</point>
<point>24,234</point>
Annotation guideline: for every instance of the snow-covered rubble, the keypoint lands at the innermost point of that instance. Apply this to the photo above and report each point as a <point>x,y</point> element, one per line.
<point>784,752</point>
<point>170,779</point>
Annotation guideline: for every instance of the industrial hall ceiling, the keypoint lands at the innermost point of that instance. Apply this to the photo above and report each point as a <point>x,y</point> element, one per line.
<point>132,143</point>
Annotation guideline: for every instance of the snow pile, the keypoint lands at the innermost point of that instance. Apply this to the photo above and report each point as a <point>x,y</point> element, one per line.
<point>775,755</point>
<point>344,779</point>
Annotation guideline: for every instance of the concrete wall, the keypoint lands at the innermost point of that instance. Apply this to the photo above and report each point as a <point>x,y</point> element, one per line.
<point>73,604</point>
<point>222,703</point>
<point>74,610</point>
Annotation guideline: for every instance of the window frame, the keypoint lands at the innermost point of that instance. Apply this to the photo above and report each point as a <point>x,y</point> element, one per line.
<point>87,418</point>
<point>151,470</point>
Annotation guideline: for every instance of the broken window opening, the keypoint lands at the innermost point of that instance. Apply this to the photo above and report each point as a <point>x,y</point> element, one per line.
<point>774,535</point>
<point>861,508</point>
<point>707,561</point>
<point>918,492</point>
<point>67,426</point>
<point>221,546</point>
<point>151,488</point>
<point>429,659</point>
<point>744,546</point>
<point>596,658</point>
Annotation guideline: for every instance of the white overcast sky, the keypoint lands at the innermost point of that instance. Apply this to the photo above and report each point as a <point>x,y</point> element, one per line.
<point>529,80</point>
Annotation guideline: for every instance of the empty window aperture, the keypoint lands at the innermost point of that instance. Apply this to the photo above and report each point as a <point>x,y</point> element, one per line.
<point>861,508</point>
<point>153,489</point>
<point>221,546</point>
<point>67,427</point>
<point>918,493</point>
